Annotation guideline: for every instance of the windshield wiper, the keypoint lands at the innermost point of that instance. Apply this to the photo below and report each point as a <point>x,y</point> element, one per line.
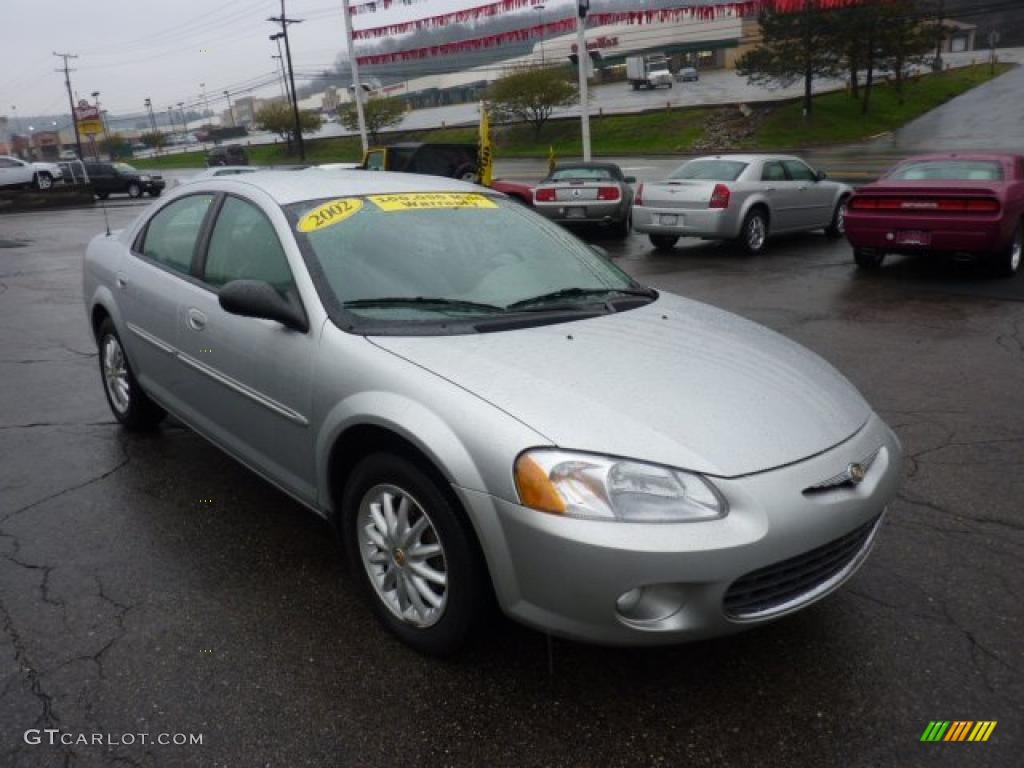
<point>573,293</point>
<point>426,301</point>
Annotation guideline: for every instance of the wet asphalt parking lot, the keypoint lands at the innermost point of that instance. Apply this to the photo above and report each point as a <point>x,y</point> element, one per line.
<point>152,585</point>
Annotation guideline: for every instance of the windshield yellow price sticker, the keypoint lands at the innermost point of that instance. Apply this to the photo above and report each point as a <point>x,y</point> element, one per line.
<point>329,214</point>
<point>420,200</point>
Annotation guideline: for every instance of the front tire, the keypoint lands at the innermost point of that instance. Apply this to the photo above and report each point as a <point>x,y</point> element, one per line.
<point>134,190</point>
<point>754,232</point>
<point>412,554</point>
<point>837,228</point>
<point>868,259</point>
<point>129,404</point>
<point>1007,262</point>
<point>43,181</point>
<point>663,242</point>
<point>154,193</point>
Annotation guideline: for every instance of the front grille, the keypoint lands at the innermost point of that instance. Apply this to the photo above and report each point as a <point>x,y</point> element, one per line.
<point>782,586</point>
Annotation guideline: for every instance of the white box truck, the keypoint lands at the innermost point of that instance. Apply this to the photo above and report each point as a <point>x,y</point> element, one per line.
<point>650,71</point>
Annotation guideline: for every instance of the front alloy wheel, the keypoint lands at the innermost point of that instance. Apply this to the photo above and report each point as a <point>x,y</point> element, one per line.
<point>130,405</point>
<point>44,181</point>
<point>838,226</point>
<point>403,555</point>
<point>413,552</point>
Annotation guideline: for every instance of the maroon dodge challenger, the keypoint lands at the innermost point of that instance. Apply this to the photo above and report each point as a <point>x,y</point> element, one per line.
<point>970,204</point>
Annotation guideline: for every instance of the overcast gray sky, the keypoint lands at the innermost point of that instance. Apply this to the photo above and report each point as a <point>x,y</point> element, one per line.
<point>164,49</point>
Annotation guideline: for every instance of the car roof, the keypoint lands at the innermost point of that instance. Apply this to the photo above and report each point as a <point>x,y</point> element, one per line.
<point>585,164</point>
<point>748,158</point>
<point>286,188</point>
<point>962,156</point>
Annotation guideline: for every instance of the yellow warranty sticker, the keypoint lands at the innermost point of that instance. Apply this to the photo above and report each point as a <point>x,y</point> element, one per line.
<point>419,200</point>
<point>328,214</point>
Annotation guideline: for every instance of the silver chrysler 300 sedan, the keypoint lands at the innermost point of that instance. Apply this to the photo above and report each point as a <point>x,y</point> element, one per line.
<point>746,198</point>
<point>486,408</point>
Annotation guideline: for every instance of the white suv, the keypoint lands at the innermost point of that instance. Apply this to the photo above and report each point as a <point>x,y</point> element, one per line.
<point>18,173</point>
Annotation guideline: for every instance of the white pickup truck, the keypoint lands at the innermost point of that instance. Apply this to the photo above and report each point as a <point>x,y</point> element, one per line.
<point>649,71</point>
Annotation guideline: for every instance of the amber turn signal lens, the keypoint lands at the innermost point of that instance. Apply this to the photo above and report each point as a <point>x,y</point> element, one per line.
<point>535,489</point>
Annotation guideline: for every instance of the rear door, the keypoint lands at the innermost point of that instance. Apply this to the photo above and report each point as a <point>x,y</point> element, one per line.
<point>784,196</point>
<point>102,177</point>
<point>150,287</point>
<point>248,381</point>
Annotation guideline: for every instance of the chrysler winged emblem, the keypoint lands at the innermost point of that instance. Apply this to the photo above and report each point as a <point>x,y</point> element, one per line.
<point>856,472</point>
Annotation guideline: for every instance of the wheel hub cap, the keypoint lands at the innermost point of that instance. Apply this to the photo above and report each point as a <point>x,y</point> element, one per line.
<point>403,555</point>
<point>115,374</point>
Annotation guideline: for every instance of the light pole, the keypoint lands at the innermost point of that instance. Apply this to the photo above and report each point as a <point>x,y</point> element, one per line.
<point>540,10</point>
<point>17,120</point>
<point>170,120</point>
<point>184,122</point>
<point>357,89</point>
<point>583,60</point>
<point>231,111</point>
<point>202,95</point>
<point>149,108</point>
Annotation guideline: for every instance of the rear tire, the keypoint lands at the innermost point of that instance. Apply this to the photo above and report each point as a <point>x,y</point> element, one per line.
<point>621,229</point>
<point>664,242</point>
<point>387,573</point>
<point>129,404</point>
<point>868,259</point>
<point>1007,262</point>
<point>754,232</point>
<point>837,228</point>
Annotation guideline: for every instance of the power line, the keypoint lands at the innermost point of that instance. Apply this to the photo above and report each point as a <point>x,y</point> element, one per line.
<point>284,21</point>
<point>71,100</point>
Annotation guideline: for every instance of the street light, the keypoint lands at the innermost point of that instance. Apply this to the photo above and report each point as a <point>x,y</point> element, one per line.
<point>540,10</point>
<point>280,57</point>
<point>583,59</point>
<point>17,121</point>
<point>206,103</point>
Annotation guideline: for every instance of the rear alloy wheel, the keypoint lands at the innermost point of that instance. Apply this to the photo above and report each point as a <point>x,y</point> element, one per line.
<point>624,227</point>
<point>1008,262</point>
<point>837,228</point>
<point>868,258</point>
<point>413,554</point>
<point>44,181</point>
<point>128,402</point>
<point>664,242</point>
<point>754,232</point>
<point>134,190</point>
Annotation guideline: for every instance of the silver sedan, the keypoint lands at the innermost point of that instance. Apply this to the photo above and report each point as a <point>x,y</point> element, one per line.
<point>746,198</point>
<point>486,408</point>
<point>587,193</point>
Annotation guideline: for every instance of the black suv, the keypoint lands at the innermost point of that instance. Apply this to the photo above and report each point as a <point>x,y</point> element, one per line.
<point>227,154</point>
<point>456,161</point>
<point>109,178</point>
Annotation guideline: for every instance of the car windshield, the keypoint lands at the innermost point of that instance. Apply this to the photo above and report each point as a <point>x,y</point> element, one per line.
<point>949,170</point>
<point>596,174</point>
<point>710,170</point>
<point>124,168</point>
<point>433,257</point>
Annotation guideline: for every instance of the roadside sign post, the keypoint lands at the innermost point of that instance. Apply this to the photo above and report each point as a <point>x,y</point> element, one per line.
<point>583,58</point>
<point>357,89</point>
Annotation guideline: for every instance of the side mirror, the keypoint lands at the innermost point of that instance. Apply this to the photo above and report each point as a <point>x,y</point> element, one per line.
<point>599,251</point>
<point>631,179</point>
<point>255,298</point>
<point>821,176</point>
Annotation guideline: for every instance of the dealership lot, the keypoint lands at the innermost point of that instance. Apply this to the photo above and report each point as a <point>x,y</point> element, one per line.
<point>151,584</point>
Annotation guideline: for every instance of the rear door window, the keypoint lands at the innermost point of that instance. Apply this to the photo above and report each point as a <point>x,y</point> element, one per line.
<point>773,171</point>
<point>172,234</point>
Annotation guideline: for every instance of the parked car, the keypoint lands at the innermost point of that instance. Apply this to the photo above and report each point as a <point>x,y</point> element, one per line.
<point>227,154</point>
<point>688,75</point>
<point>745,198</point>
<point>452,381</point>
<point>15,172</point>
<point>116,178</point>
<point>67,155</point>
<point>456,161</point>
<point>222,170</point>
<point>587,193</point>
<point>963,203</point>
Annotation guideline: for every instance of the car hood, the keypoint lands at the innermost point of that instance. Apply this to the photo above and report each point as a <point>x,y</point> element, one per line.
<point>675,382</point>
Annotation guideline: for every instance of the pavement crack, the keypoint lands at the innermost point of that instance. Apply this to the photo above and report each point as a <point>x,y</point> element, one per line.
<point>47,716</point>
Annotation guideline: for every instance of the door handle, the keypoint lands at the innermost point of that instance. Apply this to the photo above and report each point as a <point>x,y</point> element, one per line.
<point>802,189</point>
<point>196,319</point>
<point>122,283</point>
<point>770,189</point>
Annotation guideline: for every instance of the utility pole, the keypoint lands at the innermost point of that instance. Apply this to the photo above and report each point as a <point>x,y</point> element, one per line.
<point>583,61</point>
<point>184,120</point>
<point>170,120</point>
<point>539,8</point>
<point>284,21</point>
<point>71,100</point>
<point>280,61</point>
<point>149,108</point>
<point>357,89</point>
<point>230,110</point>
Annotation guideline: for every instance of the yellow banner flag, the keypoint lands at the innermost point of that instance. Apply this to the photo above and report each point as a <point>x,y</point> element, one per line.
<point>485,160</point>
<point>552,162</point>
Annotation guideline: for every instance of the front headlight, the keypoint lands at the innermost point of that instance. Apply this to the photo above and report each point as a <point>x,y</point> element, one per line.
<point>596,487</point>
<point>144,178</point>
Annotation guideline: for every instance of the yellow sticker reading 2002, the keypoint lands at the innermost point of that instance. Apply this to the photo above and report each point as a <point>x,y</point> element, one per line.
<point>329,214</point>
<point>419,200</point>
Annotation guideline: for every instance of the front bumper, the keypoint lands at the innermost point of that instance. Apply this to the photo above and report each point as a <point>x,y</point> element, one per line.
<point>709,223</point>
<point>154,185</point>
<point>944,234</point>
<point>589,211</point>
<point>566,576</point>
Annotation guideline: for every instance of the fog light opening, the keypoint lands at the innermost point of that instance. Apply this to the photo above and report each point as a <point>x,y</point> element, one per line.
<point>650,605</point>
